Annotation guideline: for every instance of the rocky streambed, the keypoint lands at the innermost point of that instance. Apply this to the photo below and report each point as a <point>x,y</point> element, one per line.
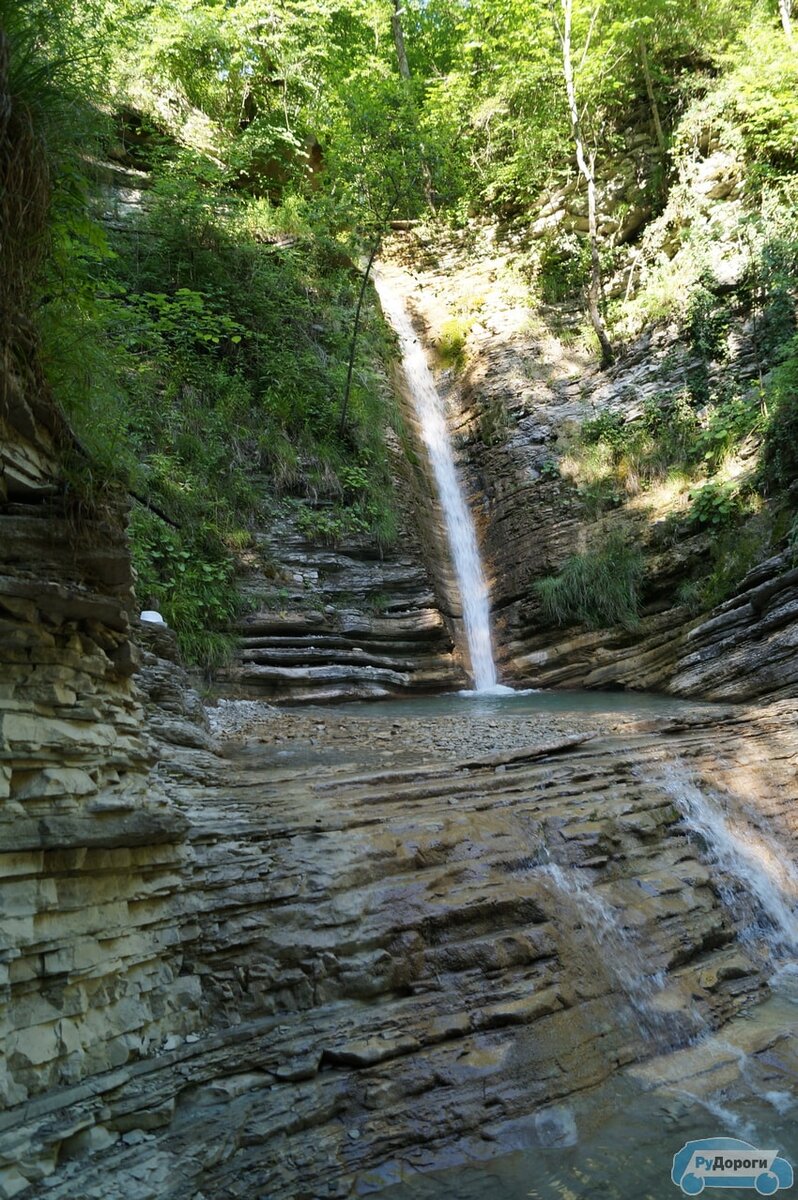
<point>433,957</point>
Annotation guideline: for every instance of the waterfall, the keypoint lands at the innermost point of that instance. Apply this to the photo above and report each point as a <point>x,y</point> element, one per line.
<point>753,861</point>
<point>623,959</point>
<point>460,531</point>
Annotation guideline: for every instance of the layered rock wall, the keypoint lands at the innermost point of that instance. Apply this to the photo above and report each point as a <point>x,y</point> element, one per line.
<point>90,851</point>
<point>344,621</point>
<point>401,966</point>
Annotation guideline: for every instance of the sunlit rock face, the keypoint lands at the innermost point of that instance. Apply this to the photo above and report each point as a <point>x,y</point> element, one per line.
<point>512,402</point>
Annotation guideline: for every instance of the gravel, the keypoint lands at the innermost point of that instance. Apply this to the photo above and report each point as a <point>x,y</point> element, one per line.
<point>234,718</point>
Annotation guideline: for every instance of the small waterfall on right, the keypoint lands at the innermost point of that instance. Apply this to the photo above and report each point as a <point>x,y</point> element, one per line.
<point>761,884</point>
<point>626,962</point>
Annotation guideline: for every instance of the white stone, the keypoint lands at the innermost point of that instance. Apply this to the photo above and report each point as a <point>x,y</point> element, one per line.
<point>152,617</point>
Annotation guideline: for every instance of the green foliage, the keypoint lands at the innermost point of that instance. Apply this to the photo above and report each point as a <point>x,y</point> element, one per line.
<point>200,349</point>
<point>707,322</point>
<point>609,428</point>
<point>550,469</point>
<point>46,127</point>
<point>733,555</point>
<point>235,353</point>
<point>773,284</point>
<point>189,577</point>
<point>615,457</point>
<point>600,588</point>
<point>602,492</point>
<point>765,87</point>
<point>563,264</point>
<point>451,343</point>
<point>331,526</point>
<point>780,451</point>
<point>716,505</point>
<point>726,426</point>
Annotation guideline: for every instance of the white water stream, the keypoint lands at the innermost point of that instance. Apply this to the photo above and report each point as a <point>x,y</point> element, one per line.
<point>460,530</point>
<point>752,860</point>
<point>623,958</point>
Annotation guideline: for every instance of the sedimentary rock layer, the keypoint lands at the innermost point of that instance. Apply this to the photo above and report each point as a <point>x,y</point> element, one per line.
<point>91,850</point>
<point>398,966</point>
<point>348,622</point>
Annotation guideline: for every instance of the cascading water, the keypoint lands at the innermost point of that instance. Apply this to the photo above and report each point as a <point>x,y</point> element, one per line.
<point>460,531</point>
<point>753,861</point>
<point>623,959</point>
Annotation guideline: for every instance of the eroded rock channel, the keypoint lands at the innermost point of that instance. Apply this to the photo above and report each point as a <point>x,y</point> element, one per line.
<point>415,945</point>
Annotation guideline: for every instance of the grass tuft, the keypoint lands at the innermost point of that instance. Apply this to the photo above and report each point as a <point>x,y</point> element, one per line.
<point>600,588</point>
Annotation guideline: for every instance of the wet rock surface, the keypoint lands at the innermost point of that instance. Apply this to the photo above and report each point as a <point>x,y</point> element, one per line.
<point>398,965</point>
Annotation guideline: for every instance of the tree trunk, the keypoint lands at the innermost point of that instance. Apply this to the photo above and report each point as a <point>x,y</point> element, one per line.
<point>404,71</point>
<point>587,170</point>
<point>356,327</point>
<point>399,39</point>
<point>785,11</point>
<point>652,99</point>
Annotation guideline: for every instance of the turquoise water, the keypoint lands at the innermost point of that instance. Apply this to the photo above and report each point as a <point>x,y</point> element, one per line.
<point>622,1145</point>
<point>527,703</point>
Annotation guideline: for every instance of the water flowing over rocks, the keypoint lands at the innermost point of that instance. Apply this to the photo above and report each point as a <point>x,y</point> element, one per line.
<point>432,425</point>
<point>379,970</point>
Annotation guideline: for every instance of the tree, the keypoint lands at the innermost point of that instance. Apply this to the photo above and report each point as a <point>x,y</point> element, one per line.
<point>652,99</point>
<point>375,249</point>
<point>399,39</point>
<point>375,167</point>
<point>586,162</point>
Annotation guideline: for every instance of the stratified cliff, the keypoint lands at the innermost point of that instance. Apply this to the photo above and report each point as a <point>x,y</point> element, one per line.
<point>89,848</point>
<point>522,385</point>
<point>347,620</point>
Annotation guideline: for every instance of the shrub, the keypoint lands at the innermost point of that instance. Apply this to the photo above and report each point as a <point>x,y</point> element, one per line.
<point>452,341</point>
<point>616,457</point>
<point>780,451</point>
<point>733,556</point>
<point>563,265</point>
<point>716,505</point>
<point>766,96</point>
<point>727,425</point>
<point>189,577</point>
<point>599,588</point>
<point>610,429</point>
<point>707,323</point>
<point>550,469</point>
